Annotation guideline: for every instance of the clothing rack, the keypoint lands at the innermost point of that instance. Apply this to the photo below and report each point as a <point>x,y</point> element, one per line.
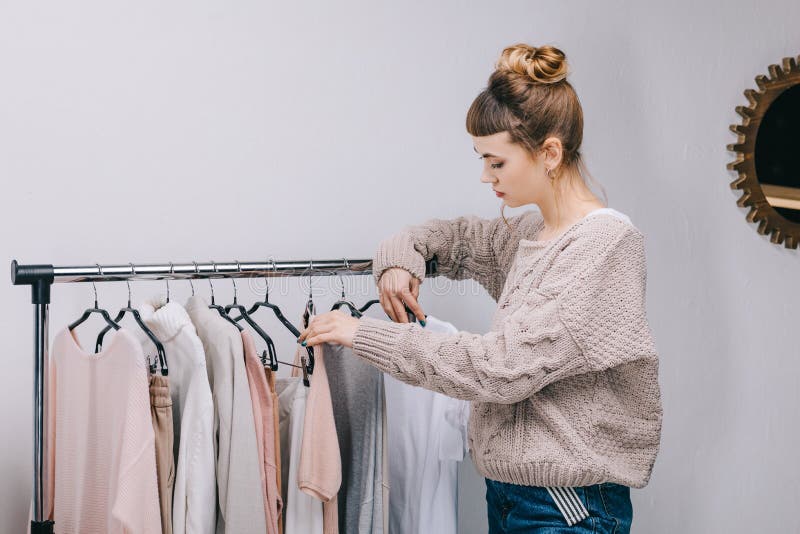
<point>42,276</point>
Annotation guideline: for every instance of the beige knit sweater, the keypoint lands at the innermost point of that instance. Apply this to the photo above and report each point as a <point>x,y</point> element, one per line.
<point>564,386</point>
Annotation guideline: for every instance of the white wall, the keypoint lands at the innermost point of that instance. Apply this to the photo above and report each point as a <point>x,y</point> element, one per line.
<point>153,131</point>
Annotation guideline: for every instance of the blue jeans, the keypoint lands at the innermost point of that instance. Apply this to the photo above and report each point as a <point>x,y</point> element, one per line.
<point>517,509</point>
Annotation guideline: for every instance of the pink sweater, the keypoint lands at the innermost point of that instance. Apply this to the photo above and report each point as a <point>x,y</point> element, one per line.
<point>101,445</point>
<point>263,415</point>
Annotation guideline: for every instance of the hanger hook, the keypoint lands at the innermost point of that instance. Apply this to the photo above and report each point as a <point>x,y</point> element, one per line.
<point>196,271</point>
<point>128,281</point>
<point>171,273</point>
<point>100,272</point>
<point>233,280</point>
<point>339,274</point>
<point>266,279</point>
<point>210,284</point>
<point>310,272</point>
<point>190,280</point>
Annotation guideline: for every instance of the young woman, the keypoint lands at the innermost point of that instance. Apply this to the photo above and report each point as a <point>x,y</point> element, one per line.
<point>566,409</point>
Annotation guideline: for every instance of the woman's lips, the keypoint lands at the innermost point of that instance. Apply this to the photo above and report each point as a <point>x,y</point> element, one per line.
<point>498,193</point>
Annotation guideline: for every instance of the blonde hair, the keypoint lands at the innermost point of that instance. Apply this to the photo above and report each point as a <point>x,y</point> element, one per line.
<point>529,97</point>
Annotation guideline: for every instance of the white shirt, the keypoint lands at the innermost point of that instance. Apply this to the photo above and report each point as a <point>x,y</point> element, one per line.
<point>427,439</point>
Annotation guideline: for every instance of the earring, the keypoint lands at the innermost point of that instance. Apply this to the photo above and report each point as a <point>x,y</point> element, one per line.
<point>550,174</point>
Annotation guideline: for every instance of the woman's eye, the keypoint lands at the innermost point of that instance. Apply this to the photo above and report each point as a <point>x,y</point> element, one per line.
<point>493,165</point>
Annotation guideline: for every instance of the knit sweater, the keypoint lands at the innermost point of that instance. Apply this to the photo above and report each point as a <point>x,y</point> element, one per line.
<point>195,487</point>
<point>564,386</point>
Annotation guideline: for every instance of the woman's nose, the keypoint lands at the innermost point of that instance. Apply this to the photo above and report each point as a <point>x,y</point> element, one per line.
<point>487,178</point>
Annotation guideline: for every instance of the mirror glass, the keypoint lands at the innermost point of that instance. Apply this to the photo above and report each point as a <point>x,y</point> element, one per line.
<point>777,154</point>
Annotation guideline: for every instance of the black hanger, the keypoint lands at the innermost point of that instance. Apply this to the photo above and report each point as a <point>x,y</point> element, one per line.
<point>411,317</point>
<point>274,307</point>
<point>162,355</point>
<point>307,313</point>
<point>246,316</point>
<point>368,305</point>
<point>354,311</point>
<point>219,308</point>
<point>273,360</point>
<point>90,311</point>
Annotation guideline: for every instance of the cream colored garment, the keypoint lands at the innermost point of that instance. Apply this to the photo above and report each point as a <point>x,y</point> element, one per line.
<point>240,500</point>
<point>194,496</point>
<point>102,445</point>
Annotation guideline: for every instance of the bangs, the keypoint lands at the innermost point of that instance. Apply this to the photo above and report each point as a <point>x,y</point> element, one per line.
<point>486,116</point>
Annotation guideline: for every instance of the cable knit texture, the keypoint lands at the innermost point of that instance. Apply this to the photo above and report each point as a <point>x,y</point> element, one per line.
<point>564,386</point>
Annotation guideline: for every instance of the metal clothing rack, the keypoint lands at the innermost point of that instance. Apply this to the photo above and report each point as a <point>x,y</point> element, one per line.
<point>42,276</point>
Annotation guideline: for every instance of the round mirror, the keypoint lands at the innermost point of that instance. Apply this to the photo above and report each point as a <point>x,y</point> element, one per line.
<point>768,153</point>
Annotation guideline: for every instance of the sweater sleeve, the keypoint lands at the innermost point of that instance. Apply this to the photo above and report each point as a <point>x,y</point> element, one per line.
<point>544,339</point>
<point>467,247</point>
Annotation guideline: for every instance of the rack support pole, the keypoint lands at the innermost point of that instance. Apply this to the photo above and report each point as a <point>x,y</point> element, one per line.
<point>40,296</point>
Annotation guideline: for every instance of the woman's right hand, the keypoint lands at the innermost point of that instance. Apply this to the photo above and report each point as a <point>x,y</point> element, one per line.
<point>396,286</point>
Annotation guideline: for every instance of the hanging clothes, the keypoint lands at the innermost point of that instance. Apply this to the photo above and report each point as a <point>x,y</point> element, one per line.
<point>319,472</point>
<point>427,440</point>
<point>194,497</point>
<point>240,502</point>
<point>101,444</point>
<point>357,392</point>
<point>163,428</point>
<point>263,416</point>
<point>302,512</point>
<point>270,375</point>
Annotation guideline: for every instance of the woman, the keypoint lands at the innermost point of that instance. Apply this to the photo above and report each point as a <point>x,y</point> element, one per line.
<point>566,411</point>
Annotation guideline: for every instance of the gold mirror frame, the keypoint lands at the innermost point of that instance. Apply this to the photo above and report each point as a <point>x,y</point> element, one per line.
<point>769,221</point>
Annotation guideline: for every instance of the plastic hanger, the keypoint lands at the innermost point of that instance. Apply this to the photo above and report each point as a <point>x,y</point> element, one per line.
<point>274,307</point>
<point>273,360</point>
<point>246,316</point>
<point>103,313</point>
<point>162,356</point>
<point>411,317</point>
<point>219,308</point>
<point>307,313</point>
<point>354,311</point>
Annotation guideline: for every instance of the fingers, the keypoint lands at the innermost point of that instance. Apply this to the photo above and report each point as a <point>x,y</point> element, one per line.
<point>315,327</point>
<point>386,306</point>
<point>319,338</point>
<point>412,303</point>
<point>399,309</point>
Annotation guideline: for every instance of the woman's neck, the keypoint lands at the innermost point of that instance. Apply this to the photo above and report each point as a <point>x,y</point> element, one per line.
<point>573,205</point>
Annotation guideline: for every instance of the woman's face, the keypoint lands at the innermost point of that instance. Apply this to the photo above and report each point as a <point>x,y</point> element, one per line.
<point>518,178</point>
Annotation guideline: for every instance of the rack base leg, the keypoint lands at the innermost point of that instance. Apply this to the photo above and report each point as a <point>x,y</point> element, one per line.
<point>41,527</point>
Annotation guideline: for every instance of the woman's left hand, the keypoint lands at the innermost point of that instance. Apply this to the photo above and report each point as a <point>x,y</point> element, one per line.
<point>330,327</point>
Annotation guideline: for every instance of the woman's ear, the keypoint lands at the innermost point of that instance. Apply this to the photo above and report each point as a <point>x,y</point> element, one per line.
<point>553,152</point>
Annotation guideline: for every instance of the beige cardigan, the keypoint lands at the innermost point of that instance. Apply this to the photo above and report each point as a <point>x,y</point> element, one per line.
<point>565,384</point>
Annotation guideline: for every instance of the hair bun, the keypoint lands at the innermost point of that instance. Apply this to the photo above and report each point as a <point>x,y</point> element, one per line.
<point>544,64</point>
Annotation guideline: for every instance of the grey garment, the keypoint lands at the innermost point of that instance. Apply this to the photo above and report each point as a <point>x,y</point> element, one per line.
<point>285,389</point>
<point>240,501</point>
<point>359,412</point>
